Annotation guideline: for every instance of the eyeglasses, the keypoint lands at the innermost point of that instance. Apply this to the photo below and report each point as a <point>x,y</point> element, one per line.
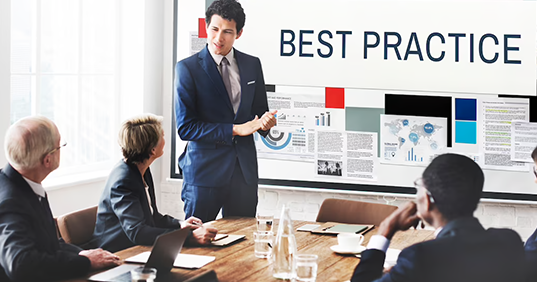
<point>56,149</point>
<point>418,183</point>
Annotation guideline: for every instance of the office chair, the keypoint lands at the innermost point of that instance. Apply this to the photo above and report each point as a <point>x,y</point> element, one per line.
<point>77,227</point>
<point>57,229</point>
<point>353,212</point>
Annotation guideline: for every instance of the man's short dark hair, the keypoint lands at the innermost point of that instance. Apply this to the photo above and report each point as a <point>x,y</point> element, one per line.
<point>227,9</point>
<point>455,182</point>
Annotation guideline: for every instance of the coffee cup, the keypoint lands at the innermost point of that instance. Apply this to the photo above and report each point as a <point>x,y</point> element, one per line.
<point>350,241</point>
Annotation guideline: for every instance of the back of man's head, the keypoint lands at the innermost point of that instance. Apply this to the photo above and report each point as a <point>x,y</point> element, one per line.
<point>456,183</point>
<point>28,140</point>
<point>228,10</point>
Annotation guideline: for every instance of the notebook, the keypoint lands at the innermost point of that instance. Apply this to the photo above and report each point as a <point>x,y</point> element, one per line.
<point>229,239</point>
<point>162,257</point>
<point>336,228</point>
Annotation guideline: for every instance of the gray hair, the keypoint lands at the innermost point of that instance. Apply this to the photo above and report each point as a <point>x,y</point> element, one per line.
<point>29,140</point>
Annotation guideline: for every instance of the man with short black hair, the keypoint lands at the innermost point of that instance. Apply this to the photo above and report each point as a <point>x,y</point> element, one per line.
<point>220,102</point>
<point>29,246</point>
<point>448,194</point>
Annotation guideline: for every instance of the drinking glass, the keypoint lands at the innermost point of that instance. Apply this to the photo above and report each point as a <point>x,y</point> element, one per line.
<point>389,200</point>
<point>306,268</point>
<point>263,244</point>
<point>264,221</point>
<point>143,274</point>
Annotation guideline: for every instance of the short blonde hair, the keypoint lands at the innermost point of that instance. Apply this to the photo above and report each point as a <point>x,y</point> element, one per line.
<point>29,140</point>
<point>138,136</point>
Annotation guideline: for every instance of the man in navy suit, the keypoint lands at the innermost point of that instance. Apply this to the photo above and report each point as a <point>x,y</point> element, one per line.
<point>448,194</point>
<point>29,246</point>
<point>220,101</point>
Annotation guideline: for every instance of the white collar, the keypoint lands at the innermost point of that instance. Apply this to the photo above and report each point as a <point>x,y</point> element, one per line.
<point>37,187</point>
<point>218,58</point>
<point>437,231</point>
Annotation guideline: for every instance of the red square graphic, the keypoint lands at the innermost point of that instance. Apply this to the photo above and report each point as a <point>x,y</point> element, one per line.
<point>334,98</point>
<point>202,31</point>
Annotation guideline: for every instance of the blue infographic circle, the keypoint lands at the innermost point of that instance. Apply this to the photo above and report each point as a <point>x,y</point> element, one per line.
<point>428,128</point>
<point>405,122</point>
<point>413,137</point>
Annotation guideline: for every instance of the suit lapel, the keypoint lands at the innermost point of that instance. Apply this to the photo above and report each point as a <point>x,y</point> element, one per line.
<point>141,192</point>
<point>247,93</point>
<point>209,66</point>
<point>46,222</point>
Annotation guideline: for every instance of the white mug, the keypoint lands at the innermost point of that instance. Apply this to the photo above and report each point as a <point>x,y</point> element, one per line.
<point>350,241</point>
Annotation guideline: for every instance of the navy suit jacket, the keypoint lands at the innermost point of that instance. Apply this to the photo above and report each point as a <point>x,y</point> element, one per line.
<point>29,246</point>
<point>531,256</point>
<point>463,251</point>
<point>123,216</point>
<point>204,117</point>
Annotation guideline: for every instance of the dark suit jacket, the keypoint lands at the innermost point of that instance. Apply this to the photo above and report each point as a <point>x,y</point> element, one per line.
<point>204,117</point>
<point>123,216</point>
<point>531,256</point>
<point>29,247</point>
<point>463,251</point>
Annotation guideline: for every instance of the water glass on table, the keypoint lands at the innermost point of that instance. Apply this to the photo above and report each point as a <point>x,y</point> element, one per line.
<point>263,243</point>
<point>143,274</point>
<point>264,221</point>
<point>306,268</point>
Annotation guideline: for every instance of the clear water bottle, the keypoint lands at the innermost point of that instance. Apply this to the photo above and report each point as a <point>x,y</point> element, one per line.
<point>284,249</point>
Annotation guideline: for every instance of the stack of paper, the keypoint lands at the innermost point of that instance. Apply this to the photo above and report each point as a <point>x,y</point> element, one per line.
<point>182,260</point>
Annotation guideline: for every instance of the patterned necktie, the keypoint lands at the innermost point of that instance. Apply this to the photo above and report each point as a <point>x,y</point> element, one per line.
<point>224,67</point>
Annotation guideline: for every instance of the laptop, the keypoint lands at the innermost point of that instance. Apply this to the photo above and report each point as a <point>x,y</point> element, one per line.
<point>163,254</point>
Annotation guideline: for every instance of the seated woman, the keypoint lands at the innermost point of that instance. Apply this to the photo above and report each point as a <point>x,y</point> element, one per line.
<point>127,214</point>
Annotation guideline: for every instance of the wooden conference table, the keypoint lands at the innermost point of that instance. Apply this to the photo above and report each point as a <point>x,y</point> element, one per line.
<point>237,262</point>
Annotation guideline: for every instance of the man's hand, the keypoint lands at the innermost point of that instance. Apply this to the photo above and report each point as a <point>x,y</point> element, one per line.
<point>192,222</point>
<point>100,258</point>
<point>401,219</point>
<point>204,235</point>
<point>268,120</point>
<point>247,128</point>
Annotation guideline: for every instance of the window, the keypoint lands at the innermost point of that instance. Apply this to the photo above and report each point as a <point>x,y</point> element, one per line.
<point>64,65</point>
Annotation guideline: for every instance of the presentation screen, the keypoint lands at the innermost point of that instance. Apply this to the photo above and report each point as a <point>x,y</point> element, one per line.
<point>369,92</point>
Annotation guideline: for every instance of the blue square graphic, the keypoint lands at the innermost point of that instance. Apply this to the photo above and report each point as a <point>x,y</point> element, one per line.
<point>465,109</point>
<point>466,132</point>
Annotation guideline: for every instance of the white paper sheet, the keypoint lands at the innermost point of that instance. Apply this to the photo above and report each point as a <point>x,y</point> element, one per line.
<point>411,140</point>
<point>494,132</point>
<point>350,155</point>
<point>182,260</point>
<point>523,141</point>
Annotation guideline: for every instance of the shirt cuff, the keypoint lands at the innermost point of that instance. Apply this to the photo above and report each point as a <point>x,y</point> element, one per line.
<point>378,242</point>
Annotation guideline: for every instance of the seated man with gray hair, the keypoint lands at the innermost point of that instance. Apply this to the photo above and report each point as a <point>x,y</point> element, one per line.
<point>29,247</point>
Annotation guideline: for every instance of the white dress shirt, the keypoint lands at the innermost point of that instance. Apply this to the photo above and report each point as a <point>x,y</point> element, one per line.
<point>37,188</point>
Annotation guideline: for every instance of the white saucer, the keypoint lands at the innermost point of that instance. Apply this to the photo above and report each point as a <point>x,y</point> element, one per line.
<point>340,250</point>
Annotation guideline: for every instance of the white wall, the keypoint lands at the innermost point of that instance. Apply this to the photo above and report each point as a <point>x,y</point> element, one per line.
<point>5,27</point>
